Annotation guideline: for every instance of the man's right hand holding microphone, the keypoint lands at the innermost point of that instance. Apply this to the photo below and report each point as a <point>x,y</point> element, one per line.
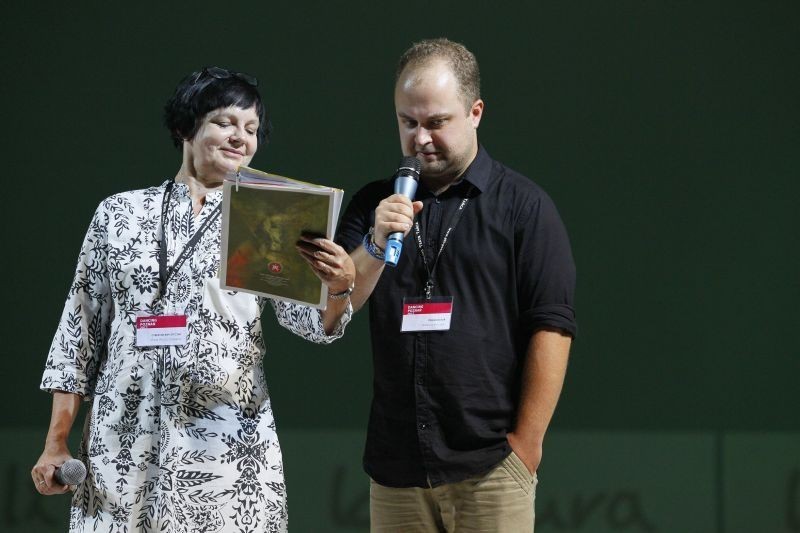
<point>393,217</point>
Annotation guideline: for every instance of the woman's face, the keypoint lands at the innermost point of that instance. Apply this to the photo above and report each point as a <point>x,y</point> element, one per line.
<point>225,140</point>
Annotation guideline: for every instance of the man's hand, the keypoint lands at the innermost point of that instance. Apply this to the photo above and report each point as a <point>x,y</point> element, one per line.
<point>393,214</point>
<point>529,452</point>
<point>542,379</point>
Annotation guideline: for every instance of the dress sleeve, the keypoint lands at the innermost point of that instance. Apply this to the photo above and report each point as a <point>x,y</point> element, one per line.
<point>307,321</point>
<point>79,345</point>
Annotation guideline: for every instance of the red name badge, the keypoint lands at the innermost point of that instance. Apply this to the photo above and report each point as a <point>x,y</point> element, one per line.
<point>420,314</point>
<point>161,330</point>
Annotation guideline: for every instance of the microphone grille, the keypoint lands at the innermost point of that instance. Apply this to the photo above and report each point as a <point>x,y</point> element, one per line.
<point>411,163</point>
<point>72,472</point>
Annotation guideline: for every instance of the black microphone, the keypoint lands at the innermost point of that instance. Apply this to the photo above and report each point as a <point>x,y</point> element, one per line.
<point>72,472</point>
<point>405,183</point>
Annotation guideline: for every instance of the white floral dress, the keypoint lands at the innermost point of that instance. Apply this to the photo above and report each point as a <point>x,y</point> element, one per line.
<point>179,439</point>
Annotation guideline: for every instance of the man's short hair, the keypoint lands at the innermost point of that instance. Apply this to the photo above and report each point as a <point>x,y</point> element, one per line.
<point>461,61</point>
<point>200,93</point>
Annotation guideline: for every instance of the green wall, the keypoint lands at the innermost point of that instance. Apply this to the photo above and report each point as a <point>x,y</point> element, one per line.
<point>668,134</point>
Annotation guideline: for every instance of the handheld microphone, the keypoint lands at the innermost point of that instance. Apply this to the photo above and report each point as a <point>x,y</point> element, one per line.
<point>405,183</point>
<point>72,472</point>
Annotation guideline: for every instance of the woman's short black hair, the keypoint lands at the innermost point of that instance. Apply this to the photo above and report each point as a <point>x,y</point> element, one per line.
<point>206,90</point>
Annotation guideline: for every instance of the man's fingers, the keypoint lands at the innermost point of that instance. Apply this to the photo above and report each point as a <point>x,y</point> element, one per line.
<point>397,204</point>
<point>398,199</point>
<point>392,223</point>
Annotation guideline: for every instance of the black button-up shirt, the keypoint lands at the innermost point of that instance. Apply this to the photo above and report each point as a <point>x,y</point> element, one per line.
<point>443,401</point>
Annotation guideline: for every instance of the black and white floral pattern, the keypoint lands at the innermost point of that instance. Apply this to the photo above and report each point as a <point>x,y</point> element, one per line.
<point>178,439</point>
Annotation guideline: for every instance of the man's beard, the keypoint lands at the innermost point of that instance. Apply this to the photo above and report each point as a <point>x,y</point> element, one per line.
<point>434,169</point>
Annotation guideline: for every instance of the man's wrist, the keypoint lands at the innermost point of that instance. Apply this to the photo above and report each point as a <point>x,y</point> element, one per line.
<point>371,247</point>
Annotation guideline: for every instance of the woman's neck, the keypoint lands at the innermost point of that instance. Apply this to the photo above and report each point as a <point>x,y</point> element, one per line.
<point>199,187</point>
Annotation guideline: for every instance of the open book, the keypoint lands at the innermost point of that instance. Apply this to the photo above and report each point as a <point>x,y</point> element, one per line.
<point>263,216</point>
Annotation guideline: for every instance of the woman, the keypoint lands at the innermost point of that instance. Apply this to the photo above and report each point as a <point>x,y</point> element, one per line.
<point>179,438</point>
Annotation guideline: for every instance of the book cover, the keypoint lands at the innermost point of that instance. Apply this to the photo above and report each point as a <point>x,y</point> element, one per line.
<point>263,216</point>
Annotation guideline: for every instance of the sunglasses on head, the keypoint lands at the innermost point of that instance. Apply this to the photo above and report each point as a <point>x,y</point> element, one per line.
<point>221,74</point>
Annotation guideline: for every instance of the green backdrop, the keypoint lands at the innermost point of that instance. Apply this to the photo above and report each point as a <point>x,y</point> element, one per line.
<point>668,134</point>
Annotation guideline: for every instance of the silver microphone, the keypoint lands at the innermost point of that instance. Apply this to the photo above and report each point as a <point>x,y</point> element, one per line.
<point>72,472</point>
<point>405,183</point>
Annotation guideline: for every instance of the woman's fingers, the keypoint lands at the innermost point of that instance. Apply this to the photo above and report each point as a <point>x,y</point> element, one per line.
<point>328,260</point>
<point>43,476</point>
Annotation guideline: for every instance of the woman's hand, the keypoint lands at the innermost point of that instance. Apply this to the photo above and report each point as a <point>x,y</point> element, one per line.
<point>329,262</point>
<point>43,472</point>
<point>56,451</point>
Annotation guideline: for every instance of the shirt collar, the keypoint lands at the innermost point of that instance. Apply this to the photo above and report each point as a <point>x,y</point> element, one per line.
<point>478,172</point>
<point>181,192</point>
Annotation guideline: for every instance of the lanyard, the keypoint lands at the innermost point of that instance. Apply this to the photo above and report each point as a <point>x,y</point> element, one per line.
<point>431,270</point>
<point>164,274</point>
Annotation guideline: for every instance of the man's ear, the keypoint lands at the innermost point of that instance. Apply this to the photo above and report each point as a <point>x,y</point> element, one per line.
<point>476,112</point>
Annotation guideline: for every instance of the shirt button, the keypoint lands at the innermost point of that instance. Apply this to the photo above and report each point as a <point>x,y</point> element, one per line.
<point>423,426</point>
<point>420,381</point>
<point>437,200</point>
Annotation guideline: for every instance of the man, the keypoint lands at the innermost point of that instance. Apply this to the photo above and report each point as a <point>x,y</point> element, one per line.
<point>471,330</point>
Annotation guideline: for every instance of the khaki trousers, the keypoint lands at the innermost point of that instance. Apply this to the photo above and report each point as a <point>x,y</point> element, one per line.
<point>500,501</point>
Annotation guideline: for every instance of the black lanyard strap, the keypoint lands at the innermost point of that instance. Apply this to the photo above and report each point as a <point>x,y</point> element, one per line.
<point>164,274</point>
<point>431,269</point>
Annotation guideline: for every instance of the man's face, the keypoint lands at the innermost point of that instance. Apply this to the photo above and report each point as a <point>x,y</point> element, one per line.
<point>435,124</point>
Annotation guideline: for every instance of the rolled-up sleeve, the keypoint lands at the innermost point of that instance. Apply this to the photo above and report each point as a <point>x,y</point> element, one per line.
<point>545,269</point>
<point>307,321</point>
